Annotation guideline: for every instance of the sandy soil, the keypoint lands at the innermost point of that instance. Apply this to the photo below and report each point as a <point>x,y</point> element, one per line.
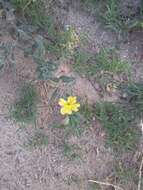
<point>47,168</point>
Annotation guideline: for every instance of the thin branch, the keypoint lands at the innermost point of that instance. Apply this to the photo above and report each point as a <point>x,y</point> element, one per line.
<point>106,184</point>
<point>140,175</point>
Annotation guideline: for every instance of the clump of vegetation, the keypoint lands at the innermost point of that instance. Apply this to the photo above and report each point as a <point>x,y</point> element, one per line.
<point>34,12</point>
<point>76,117</point>
<point>135,98</point>
<point>31,9</point>
<point>109,12</point>
<point>24,110</point>
<point>106,60</point>
<point>121,133</point>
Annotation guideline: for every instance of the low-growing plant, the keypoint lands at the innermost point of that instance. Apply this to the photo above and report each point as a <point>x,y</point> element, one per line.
<point>111,17</point>
<point>72,118</point>
<point>109,13</point>
<point>32,9</point>
<point>24,109</point>
<point>135,98</point>
<point>117,122</point>
<point>108,60</point>
<point>34,12</point>
<point>72,121</point>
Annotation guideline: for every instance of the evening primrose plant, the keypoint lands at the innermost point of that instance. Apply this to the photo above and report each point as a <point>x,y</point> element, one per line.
<point>69,106</point>
<point>70,111</point>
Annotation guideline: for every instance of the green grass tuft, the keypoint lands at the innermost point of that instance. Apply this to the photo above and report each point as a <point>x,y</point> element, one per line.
<point>110,14</point>
<point>24,110</point>
<point>117,122</point>
<point>106,60</point>
<point>135,98</point>
<point>34,12</point>
<point>31,9</point>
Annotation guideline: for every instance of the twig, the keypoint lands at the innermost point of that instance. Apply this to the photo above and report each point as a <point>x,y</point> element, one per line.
<point>107,184</point>
<point>140,175</point>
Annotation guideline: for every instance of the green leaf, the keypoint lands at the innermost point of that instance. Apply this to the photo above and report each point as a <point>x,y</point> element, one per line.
<point>40,48</point>
<point>67,79</point>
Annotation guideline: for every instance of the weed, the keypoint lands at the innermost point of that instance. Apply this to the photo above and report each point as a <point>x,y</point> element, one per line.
<point>38,140</point>
<point>121,133</point>
<point>34,11</point>
<point>60,42</point>
<point>24,110</point>
<point>108,60</point>
<point>31,9</point>
<point>109,13</point>
<point>111,17</point>
<point>135,98</point>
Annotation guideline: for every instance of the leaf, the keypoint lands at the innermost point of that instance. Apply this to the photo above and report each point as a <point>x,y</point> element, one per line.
<point>40,48</point>
<point>67,79</point>
<point>46,70</point>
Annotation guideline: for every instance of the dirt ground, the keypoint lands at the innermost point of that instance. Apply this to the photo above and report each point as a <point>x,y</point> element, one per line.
<point>46,168</point>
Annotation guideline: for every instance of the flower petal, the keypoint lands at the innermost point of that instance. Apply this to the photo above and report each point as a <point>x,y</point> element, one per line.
<point>62,102</point>
<point>66,110</point>
<point>71,99</point>
<point>75,107</point>
<point>63,111</point>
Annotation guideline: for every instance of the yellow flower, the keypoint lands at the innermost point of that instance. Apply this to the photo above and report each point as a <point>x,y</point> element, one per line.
<point>69,106</point>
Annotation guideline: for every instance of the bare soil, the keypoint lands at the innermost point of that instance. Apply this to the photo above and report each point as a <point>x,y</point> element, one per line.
<point>46,168</point>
